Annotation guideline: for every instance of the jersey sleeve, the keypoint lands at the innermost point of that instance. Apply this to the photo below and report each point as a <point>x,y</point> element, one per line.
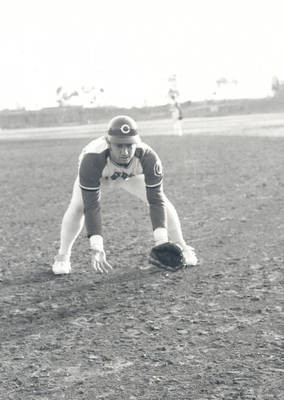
<point>157,206</point>
<point>90,171</point>
<point>92,212</point>
<point>152,168</point>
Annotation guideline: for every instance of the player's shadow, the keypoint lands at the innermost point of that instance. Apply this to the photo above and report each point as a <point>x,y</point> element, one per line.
<point>43,274</point>
<point>59,300</point>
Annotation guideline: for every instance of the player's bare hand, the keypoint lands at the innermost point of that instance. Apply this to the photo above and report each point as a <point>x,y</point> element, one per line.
<point>99,262</point>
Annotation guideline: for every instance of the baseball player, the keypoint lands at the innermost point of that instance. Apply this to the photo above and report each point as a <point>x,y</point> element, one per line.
<point>176,117</point>
<point>117,159</point>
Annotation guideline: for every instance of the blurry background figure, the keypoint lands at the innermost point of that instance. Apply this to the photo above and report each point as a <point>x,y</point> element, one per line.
<point>177,118</point>
<point>277,87</point>
<point>175,108</point>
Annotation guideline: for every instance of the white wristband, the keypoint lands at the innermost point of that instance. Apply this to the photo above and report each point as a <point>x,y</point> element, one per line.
<point>97,242</point>
<point>160,235</point>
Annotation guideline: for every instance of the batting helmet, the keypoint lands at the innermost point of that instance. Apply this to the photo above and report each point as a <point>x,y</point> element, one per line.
<point>122,130</point>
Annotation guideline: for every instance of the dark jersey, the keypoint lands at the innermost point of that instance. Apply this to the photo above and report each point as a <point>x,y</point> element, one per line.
<point>95,166</point>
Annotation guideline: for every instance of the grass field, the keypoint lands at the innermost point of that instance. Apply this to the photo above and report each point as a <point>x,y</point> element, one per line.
<point>210,332</point>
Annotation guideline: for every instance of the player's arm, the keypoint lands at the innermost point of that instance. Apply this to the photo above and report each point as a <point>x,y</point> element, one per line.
<point>153,172</point>
<point>89,178</point>
<point>158,215</point>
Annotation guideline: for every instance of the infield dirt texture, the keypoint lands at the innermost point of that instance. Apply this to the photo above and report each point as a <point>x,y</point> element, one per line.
<point>209,332</point>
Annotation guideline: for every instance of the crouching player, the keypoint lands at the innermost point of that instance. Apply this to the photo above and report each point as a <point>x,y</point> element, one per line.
<point>120,159</point>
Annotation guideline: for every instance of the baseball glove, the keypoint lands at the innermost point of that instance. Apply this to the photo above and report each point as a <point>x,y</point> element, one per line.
<point>167,256</point>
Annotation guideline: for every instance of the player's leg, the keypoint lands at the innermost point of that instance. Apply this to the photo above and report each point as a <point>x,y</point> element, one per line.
<point>72,224</point>
<point>178,127</point>
<point>136,186</point>
<point>73,220</point>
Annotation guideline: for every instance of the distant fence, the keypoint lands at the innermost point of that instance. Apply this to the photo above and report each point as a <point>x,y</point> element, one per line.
<point>60,116</point>
<point>51,117</point>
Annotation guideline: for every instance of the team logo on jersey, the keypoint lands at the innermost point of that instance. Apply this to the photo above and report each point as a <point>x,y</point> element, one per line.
<point>119,174</point>
<point>158,169</point>
<point>125,129</point>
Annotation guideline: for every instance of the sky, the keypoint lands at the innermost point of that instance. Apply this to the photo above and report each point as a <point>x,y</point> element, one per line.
<point>131,47</point>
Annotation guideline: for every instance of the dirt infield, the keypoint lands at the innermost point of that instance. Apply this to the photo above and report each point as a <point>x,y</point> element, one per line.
<point>210,332</point>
